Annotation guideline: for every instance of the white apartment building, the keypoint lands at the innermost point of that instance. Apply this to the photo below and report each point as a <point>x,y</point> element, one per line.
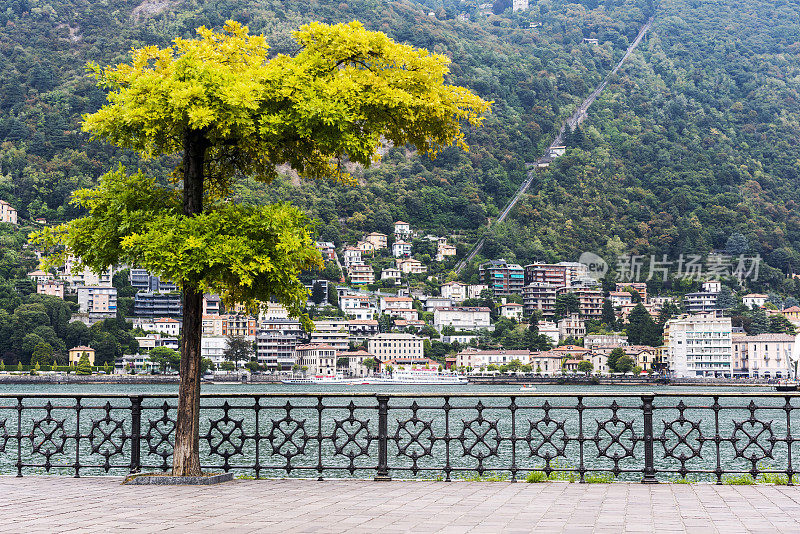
<point>355,361</point>
<point>550,330</point>
<point>751,300</point>
<point>511,310</point>
<point>276,349</point>
<point>390,346</point>
<point>339,339</point>
<point>467,318</point>
<point>396,303</point>
<point>392,273</point>
<point>474,291</point>
<point>455,291</point>
<point>213,348</point>
<point>401,249</point>
<point>431,303</point>
<point>763,355</point>
<point>165,325</point>
<point>402,230</point>
<point>699,345</point>
<point>352,256</point>
<point>595,341</point>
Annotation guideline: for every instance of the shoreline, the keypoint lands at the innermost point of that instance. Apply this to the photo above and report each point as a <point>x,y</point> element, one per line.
<point>63,379</point>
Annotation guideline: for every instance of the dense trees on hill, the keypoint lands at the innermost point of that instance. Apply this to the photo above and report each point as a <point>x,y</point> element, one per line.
<point>693,146</point>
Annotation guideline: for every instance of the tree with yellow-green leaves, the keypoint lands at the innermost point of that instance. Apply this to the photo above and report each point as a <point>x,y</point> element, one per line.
<point>228,110</point>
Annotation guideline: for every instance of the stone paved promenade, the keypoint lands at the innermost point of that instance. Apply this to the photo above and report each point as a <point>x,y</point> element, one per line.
<point>60,504</point>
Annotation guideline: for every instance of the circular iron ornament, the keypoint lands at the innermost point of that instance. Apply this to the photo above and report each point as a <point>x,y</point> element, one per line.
<point>351,437</point>
<point>480,437</point>
<point>225,436</point>
<point>48,436</point>
<point>414,438</point>
<point>547,438</point>
<point>615,438</point>
<point>160,436</point>
<point>107,436</point>
<point>288,437</point>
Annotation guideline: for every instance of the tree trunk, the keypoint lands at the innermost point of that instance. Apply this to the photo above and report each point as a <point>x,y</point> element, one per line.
<point>186,456</point>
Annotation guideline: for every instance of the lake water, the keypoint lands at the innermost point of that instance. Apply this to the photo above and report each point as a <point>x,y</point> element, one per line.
<point>308,430</point>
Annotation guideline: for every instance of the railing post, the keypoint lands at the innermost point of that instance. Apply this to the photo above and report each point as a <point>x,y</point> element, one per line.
<point>383,439</point>
<point>649,467</point>
<point>136,434</point>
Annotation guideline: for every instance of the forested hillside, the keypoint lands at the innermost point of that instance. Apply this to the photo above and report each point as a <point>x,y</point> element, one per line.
<point>695,139</point>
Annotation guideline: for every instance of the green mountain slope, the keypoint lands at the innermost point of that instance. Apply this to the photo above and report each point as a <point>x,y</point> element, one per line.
<point>695,139</point>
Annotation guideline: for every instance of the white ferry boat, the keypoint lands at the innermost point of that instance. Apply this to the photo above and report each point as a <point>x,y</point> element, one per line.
<point>418,377</point>
<point>322,379</point>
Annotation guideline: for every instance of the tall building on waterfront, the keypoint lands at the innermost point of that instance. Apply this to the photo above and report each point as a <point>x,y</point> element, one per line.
<point>699,345</point>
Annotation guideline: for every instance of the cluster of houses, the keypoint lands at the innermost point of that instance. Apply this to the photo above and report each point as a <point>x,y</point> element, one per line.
<point>355,256</point>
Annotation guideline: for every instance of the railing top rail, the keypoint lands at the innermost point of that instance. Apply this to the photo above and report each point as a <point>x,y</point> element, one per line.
<point>400,395</point>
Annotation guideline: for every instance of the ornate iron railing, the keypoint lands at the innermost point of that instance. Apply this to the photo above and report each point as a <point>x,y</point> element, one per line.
<point>647,437</point>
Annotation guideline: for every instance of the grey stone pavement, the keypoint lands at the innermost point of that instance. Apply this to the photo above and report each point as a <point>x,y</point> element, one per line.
<point>61,504</point>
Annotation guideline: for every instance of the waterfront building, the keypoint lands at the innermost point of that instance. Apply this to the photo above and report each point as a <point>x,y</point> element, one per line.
<point>76,353</point>
<point>213,348</point>
<point>699,345</point>
<point>320,359</point>
<point>392,345</point>
<point>480,359</point>
<point>275,349</point>
<point>763,355</point>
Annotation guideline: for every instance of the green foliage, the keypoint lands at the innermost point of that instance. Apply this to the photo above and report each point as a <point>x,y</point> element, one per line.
<point>83,367</point>
<point>585,366</point>
<point>238,350</point>
<point>641,329</point>
<point>614,357</point>
<point>165,358</point>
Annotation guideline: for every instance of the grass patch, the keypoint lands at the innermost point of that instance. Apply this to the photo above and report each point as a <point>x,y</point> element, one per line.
<point>598,478</point>
<point>738,480</point>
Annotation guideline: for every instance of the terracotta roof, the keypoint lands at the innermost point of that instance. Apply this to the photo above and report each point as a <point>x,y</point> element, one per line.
<point>81,347</point>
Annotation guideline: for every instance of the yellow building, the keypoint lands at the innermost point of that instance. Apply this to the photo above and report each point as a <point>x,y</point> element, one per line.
<point>76,353</point>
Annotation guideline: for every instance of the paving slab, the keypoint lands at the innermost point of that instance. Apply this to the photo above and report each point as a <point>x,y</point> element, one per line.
<point>102,504</point>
